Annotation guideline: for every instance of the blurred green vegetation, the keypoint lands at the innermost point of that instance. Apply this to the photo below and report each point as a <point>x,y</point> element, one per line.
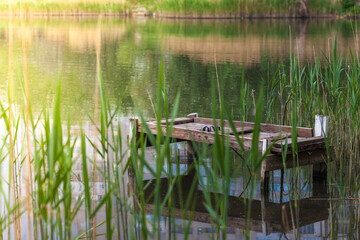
<point>65,6</point>
<point>208,7</point>
<point>258,7</point>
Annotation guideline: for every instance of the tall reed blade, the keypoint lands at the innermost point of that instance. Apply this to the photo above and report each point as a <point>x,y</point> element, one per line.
<point>27,130</point>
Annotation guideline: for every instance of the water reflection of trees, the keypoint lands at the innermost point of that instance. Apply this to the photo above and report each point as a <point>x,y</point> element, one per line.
<point>131,50</point>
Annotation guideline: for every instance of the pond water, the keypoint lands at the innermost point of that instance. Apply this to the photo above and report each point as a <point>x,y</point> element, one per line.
<point>130,51</point>
<point>193,54</point>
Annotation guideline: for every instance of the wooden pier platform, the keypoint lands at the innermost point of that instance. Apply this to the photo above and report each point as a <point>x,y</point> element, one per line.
<point>310,142</point>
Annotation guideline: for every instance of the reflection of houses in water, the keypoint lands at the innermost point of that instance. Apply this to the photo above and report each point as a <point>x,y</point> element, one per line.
<point>270,217</point>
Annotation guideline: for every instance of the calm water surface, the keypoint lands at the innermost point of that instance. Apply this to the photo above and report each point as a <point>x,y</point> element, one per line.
<point>130,52</point>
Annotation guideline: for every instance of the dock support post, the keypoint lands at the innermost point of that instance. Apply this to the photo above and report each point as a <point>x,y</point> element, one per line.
<point>133,129</point>
<point>191,150</point>
<point>321,128</point>
<point>191,153</point>
<point>264,224</point>
<point>282,186</point>
<point>265,176</point>
<point>265,191</point>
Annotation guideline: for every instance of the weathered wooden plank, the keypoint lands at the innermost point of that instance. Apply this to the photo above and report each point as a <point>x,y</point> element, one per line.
<point>200,127</point>
<point>242,130</point>
<point>302,132</point>
<point>301,149</point>
<point>191,126</point>
<point>175,121</point>
<point>283,141</point>
<point>275,161</point>
<point>303,144</point>
<point>200,136</point>
<point>301,141</point>
<point>271,136</point>
<point>191,129</point>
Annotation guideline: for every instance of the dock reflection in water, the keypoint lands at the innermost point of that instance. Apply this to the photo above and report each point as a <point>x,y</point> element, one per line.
<point>270,217</point>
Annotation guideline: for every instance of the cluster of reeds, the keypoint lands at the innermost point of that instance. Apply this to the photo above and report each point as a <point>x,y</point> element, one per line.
<point>38,154</point>
<point>332,89</point>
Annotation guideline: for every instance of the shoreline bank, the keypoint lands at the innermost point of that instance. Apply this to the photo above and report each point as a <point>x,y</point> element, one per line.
<point>64,14</point>
<point>168,15</point>
<point>243,16</point>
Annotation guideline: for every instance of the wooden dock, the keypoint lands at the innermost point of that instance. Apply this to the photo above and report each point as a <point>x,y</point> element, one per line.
<point>310,142</point>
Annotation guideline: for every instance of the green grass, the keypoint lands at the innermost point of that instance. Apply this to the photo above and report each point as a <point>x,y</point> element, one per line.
<point>257,7</point>
<point>65,7</point>
<point>208,7</point>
